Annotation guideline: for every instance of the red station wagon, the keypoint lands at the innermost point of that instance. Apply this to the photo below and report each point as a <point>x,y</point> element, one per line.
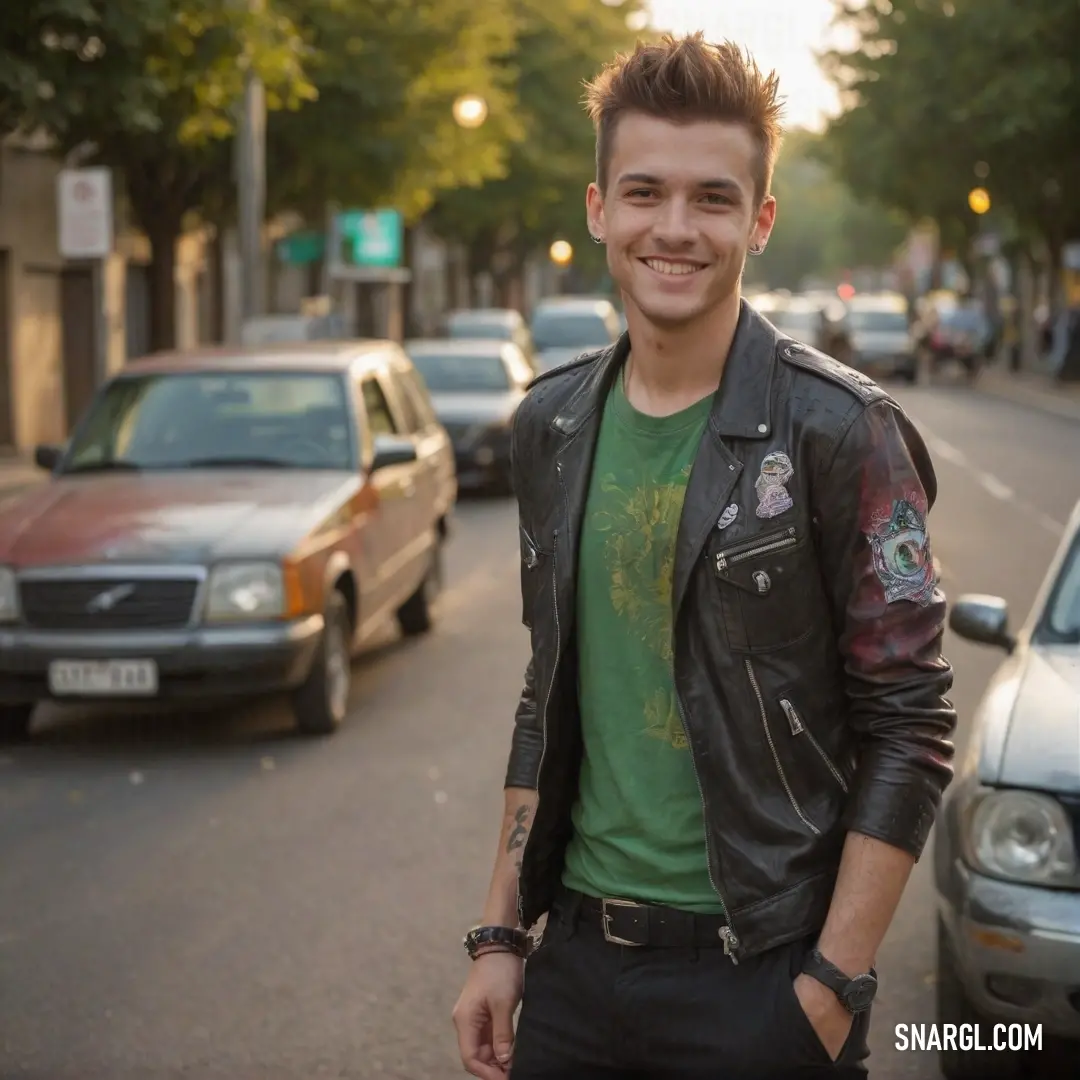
<point>226,524</point>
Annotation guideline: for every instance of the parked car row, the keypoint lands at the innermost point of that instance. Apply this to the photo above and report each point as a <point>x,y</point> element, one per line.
<point>560,329</point>
<point>871,332</point>
<point>233,522</point>
<point>478,373</point>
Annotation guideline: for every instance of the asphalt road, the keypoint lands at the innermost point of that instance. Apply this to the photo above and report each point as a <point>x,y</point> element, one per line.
<point>207,897</point>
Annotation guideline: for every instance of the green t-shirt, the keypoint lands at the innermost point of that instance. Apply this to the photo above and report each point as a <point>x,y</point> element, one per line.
<point>639,829</point>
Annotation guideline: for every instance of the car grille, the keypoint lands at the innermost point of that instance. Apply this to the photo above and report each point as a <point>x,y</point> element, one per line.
<point>78,604</point>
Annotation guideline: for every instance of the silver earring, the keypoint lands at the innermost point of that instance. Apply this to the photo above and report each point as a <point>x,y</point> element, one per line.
<point>757,249</point>
<point>596,239</point>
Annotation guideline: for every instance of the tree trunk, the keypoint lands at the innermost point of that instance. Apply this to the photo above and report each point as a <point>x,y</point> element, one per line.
<point>163,237</point>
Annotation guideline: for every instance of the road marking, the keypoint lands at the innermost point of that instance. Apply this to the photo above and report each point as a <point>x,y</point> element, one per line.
<point>944,450</point>
<point>987,481</point>
<point>1051,525</point>
<point>993,486</point>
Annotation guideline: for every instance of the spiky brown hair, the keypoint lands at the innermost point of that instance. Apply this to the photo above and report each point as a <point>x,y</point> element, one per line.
<point>686,79</point>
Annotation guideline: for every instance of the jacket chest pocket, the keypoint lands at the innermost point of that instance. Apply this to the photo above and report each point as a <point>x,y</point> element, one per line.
<point>767,587</point>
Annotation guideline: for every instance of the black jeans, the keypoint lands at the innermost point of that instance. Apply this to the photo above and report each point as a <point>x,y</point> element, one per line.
<point>594,1010</point>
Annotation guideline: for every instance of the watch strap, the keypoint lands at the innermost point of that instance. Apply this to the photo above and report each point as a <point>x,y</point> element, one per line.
<point>508,938</point>
<point>854,993</point>
<point>825,972</point>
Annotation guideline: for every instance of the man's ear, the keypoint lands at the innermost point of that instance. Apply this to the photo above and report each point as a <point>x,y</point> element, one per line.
<point>594,212</point>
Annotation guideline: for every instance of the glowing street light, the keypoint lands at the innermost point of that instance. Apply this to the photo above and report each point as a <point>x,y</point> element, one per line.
<point>979,200</point>
<point>470,110</point>
<point>561,253</point>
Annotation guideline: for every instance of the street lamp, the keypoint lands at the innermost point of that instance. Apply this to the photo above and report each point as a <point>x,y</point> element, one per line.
<point>561,253</point>
<point>979,200</point>
<point>470,110</point>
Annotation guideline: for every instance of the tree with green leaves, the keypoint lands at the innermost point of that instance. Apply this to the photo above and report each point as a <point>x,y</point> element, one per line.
<point>560,45</point>
<point>822,228</point>
<point>382,131</point>
<point>945,96</point>
<point>149,88</point>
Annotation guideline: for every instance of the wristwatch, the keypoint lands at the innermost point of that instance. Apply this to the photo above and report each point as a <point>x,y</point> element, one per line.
<point>855,994</point>
<point>510,938</point>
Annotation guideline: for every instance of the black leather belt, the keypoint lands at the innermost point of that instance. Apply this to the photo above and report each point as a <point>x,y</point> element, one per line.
<point>625,922</point>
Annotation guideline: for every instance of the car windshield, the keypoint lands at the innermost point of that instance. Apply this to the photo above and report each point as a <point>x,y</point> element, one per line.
<point>449,373</point>
<point>1063,616</point>
<point>570,330</point>
<point>879,321</point>
<point>786,320</point>
<point>963,319</point>
<point>478,326</point>
<point>216,419</point>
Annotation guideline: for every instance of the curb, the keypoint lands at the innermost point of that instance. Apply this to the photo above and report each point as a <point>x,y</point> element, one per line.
<point>1005,389</point>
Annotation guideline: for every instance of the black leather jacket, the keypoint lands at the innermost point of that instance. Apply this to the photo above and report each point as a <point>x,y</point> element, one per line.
<point>807,637</point>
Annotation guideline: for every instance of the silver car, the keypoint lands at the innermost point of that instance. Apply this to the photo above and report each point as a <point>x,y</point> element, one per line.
<point>1007,845</point>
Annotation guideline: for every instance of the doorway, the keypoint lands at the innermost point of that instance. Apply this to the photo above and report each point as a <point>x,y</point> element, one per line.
<point>79,337</point>
<point>7,414</point>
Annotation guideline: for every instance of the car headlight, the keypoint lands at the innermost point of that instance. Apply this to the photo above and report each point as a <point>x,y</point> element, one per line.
<point>1022,836</point>
<point>245,591</point>
<point>9,595</point>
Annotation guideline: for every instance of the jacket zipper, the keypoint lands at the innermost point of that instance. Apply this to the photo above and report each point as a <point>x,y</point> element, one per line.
<point>772,746</point>
<point>758,546</point>
<point>799,728</point>
<point>727,933</point>
<point>533,559</point>
<point>551,686</point>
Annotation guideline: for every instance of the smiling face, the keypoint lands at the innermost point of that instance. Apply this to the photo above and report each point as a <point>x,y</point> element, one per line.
<point>678,215</point>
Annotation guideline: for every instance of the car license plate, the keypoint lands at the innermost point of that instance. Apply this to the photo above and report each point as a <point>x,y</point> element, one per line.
<point>103,678</point>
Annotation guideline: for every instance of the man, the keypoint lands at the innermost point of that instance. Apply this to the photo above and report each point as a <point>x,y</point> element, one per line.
<point>733,736</point>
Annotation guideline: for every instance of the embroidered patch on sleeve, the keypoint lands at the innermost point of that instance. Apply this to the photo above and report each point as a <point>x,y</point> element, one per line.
<point>901,550</point>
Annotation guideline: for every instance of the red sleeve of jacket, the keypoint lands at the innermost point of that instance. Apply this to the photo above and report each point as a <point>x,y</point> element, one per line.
<point>873,501</point>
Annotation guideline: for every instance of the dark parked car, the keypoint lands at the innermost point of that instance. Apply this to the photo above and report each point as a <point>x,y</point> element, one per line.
<point>476,387</point>
<point>226,524</point>
<point>1007,847</point>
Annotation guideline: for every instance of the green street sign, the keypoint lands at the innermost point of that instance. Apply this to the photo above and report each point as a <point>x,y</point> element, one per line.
<point>301,248</point>
<point>372,237</point>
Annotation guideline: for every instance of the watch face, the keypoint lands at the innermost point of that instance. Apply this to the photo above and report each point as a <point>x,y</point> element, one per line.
<point>860,992</point>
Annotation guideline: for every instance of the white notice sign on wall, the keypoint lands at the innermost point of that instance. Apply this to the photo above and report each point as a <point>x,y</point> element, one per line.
<point>85,210</point>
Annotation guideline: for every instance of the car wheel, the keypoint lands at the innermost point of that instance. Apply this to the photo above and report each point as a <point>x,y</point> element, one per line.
<point>415,615</point>
<point>321,703</point>
<point>954,1007</point>
<point>15,721</point>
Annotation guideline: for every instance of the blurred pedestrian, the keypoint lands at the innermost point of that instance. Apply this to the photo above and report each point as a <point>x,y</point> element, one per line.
<point>733,735</point>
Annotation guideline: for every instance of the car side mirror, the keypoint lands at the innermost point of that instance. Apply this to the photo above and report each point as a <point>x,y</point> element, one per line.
<point>47,457</point>
<point>392,450</point>
<point>982,619</point>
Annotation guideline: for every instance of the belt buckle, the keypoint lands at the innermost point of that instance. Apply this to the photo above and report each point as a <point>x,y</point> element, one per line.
<point>608,935</point>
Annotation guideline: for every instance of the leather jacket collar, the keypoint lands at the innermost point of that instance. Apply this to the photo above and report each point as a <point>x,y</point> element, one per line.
<point>742,406</point>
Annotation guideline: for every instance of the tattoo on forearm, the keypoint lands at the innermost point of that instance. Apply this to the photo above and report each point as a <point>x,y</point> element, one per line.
<point>519,832</point>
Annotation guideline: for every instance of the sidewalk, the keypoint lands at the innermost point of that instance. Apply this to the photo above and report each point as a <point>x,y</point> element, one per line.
<point>1033,389</point>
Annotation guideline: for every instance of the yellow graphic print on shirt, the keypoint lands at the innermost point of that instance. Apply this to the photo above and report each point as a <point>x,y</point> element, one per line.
<point>642,526</point>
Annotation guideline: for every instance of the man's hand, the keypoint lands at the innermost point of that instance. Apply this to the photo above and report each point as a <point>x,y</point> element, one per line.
<point>484,1014</point>
<point>826,1014</point>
